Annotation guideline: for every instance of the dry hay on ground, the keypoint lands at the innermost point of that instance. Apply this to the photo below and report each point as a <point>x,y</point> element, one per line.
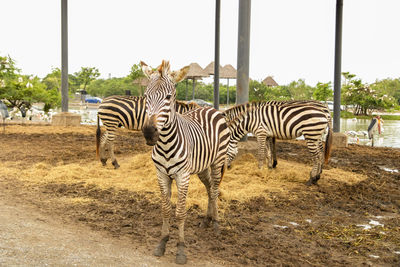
<point>137,174</point>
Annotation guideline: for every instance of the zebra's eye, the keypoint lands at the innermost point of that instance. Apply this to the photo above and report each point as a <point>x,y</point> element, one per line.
<point>168,97</point>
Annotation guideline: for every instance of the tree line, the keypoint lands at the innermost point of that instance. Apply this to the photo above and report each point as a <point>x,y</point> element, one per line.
<point>19,90</point>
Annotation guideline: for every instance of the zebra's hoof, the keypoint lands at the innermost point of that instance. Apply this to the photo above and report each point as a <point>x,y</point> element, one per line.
<point>313,180</point>
<point>115,164</point>
<point>274,164</point>
<point>180,254</point>
<point>160,249</point>
<point>181,259</point>
<point>216,228</point>
<point>206,222</point>
<point>104,162</point>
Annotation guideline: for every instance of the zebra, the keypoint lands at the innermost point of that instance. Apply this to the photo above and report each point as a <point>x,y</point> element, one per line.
<point>192,143</point>
<point>282,120</point>
<point>127,111</point>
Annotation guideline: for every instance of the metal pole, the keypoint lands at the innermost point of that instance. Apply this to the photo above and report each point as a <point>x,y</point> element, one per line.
<point>64,56</point>
<point>216,57</point>
<point>227,94</point>
<point>242,83</point>
<point>338,66</point>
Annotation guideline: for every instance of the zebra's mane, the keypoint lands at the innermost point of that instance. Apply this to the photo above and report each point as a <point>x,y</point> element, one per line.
<point>190,106</point>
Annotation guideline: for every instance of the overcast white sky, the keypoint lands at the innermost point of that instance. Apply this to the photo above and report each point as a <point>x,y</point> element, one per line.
<point>290,39</point>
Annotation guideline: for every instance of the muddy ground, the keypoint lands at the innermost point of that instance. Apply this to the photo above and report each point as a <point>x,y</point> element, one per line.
<point>332,224</point>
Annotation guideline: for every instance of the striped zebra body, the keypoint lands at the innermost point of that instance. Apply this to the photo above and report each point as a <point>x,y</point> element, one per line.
<point>193,143</point>
<point>282,120</point>
<point>126,111</point>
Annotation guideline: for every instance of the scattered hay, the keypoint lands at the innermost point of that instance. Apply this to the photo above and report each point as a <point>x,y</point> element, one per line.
<point>243,182</point>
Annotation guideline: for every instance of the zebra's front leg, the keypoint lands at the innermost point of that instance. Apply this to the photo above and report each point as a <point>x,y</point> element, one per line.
<point>182,183</point>
<point>165,187</point>
<point>215,180</point>
<point>262,142</point>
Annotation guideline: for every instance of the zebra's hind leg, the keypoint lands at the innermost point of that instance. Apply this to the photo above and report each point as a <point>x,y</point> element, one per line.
<point>204,177</point>
<point>273,149</point>
<point>182,184</point>
<point>316,149</point>
<point>114,161</point>
<point>269,152</point>
<point>102,149</point>
<point>165,187</point>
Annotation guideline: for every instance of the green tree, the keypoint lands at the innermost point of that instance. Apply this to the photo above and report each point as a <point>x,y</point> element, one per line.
<point>299,90</point>
<point>135,75</point>
<point>22,90</point>
<point>323,91</point>
<point>389,87</point>
<point>53,79</point>
<point>113,86</point>
<point>86,75</point>
<point>363,97</point>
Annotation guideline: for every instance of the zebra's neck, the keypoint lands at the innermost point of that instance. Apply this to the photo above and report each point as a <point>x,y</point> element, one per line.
<point>239,126</point>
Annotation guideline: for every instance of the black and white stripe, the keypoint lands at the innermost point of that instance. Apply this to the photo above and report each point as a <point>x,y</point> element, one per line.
<point>126,111</point>
<point>282,120</point>
<point>193,143</point>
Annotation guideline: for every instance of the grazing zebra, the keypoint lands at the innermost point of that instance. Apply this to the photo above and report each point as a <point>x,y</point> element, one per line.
<point>127,111</point>
<point>193,143</point>
<point>282,120</point>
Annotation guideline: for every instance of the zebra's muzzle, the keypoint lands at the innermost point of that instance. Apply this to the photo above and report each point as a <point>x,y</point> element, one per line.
<point>151,135</point>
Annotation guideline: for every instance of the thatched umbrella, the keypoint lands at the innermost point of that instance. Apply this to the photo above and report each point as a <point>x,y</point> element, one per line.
<point>269,81</point>
<point>228,72</point>
<point>210,69</point>
<point>195,72</point>
<point>142,82</point>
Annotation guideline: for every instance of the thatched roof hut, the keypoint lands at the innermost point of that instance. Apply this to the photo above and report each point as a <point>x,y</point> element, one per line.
<point>196,72</point>
<point>269,81</point>
<point>210,68</point>
<point>228,72</point>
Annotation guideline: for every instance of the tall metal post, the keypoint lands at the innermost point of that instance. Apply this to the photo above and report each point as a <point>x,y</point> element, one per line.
<point>216,57</point>
<point>64,56</point>
<point>242,83</point>
<point>338,66</point>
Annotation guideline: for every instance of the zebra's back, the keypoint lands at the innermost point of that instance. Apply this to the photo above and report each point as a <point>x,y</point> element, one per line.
<point>127,111</point>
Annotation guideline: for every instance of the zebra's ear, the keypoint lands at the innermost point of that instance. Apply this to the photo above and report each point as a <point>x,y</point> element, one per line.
<point>164,68</point>
<point>179,75</point>
<point>146,69</point>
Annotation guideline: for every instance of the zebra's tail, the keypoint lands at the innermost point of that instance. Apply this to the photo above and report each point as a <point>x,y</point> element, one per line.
<point>98,134</point>
<point>328,142</point>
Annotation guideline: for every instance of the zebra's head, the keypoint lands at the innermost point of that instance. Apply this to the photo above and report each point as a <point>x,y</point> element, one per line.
<point>160,98</point>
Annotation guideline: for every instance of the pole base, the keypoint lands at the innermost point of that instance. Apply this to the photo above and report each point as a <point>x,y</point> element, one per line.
<point>66,119</point>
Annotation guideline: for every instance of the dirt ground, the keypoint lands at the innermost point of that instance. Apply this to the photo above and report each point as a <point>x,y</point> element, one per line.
<point>350,219</point>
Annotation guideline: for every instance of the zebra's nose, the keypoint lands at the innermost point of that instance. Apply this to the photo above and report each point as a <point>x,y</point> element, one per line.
<point>151,134</point>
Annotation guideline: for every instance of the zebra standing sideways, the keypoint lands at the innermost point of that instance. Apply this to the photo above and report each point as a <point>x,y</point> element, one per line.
<point>193,143</point>
<point>127,111</point>
<point>282,120</point>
